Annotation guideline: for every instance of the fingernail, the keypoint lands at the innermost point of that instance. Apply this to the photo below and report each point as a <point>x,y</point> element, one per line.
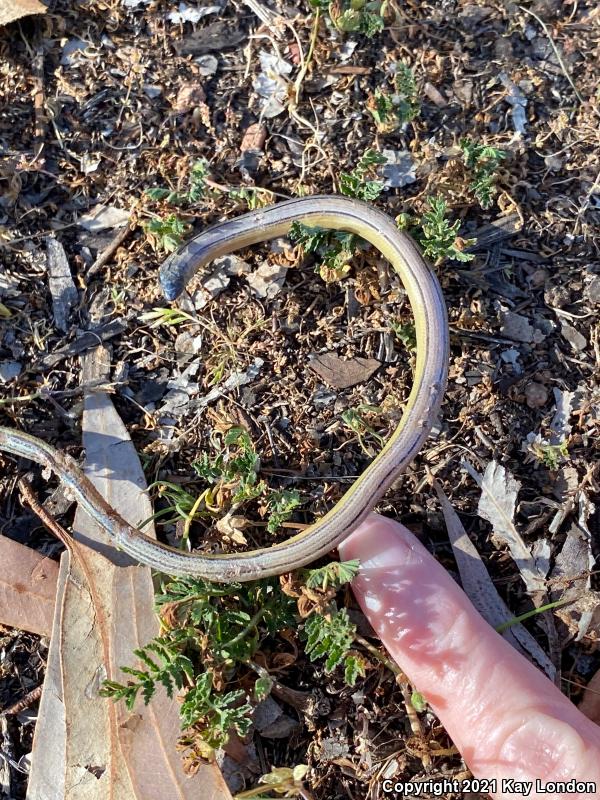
<point>378,542</point>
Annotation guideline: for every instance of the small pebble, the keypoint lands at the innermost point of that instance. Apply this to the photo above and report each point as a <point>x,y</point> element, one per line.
<point>574,338</point>
<point>536,395</point>
<point>538,278</point>
<point>9,370</point>
<point>592,291</point>
<point>557,296</point>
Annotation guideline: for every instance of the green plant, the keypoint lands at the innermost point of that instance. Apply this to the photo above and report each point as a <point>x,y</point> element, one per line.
<point>232,478</point>
<point>172,670</point>
<point>166,234</point>
<point>483,162</point>
<point>359,182</point>
<point>180,503</point>
<point>217,713</point>
<point>236,467</point>
<point>284,781</point>
<point>333,575</point>
<point>194,188</point>
<point>254,197</point>
<point>212,631</point>
<point>209,629</point>
<point>503,626</point>
<point>165,316</point>
<point>392,110</point>
<point>355,420</point>
<point>336,248</point>
<point>406,333</point>
<point>418,702</point>
<point>354,16</point>
<point>550,455</point>
<point>330,635</point>
<point>281,506</point>
<point>437,236</point>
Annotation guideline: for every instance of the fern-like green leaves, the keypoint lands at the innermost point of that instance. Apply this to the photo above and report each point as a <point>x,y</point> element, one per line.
<point>483,162</point>
<point>435,233</point>
<point>330,636</point>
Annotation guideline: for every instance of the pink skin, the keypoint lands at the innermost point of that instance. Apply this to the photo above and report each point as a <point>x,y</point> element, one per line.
<point>506,718</point>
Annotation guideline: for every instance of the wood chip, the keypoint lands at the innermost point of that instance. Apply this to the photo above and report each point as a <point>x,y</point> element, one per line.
<point>63,291</point>
<point>86,341</point>
<point>217,36</point>
<point>434,95</point>
<point>254,138</point>
<point>189,97</point>
<point>342,373</point>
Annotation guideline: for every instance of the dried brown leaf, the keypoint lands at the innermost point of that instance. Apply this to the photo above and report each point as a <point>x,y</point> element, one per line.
<point>340,373</point>
<point>497,505</point>
<point>97,748</point>
<point>27,588</point>
<point>482,593</point>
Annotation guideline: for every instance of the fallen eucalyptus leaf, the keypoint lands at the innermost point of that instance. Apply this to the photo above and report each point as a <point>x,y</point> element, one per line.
<point>481,591</point>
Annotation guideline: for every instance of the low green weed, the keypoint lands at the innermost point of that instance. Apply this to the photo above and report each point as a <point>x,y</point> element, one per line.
<point>284,781</point>
<point>252,196</point>
<point>170,317</point>
<point>435,233</point>
<point>360,182</point>
<point>211,634</point>
<point>281,505</point>
<point>392,110</point>
<point>166,234</point>
<point>550,455</point>
<point>354,16</point>
<point>330,635</point>
<point>194,187</point>
<point>482,161</point>
<point>406,333</point>
<point>336,249</point>
<point>356,420</point>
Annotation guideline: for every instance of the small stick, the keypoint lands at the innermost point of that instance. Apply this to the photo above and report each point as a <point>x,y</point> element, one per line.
<point>109,251</point>
<point>28,700</point>
<point>40,512</point>
<point>563,66</point>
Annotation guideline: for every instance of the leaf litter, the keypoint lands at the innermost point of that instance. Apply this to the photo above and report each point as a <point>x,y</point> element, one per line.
<point>102,129</point>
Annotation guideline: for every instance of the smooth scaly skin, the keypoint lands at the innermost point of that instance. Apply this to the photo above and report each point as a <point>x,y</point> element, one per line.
<point>425,295</point>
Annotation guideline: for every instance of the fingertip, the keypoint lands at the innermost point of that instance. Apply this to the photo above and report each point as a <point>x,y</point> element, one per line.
<point>378,542</point>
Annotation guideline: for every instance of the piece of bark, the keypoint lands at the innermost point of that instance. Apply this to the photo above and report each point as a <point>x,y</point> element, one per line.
<point>216,36</point>
<point>104,613</point>
<point>60,282</point>
<point>11,10</point>
<point>27,588</point>
<point>340,373</point>
<point>47,775</point>
<point>86,341</point>
<point>499,230</point>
